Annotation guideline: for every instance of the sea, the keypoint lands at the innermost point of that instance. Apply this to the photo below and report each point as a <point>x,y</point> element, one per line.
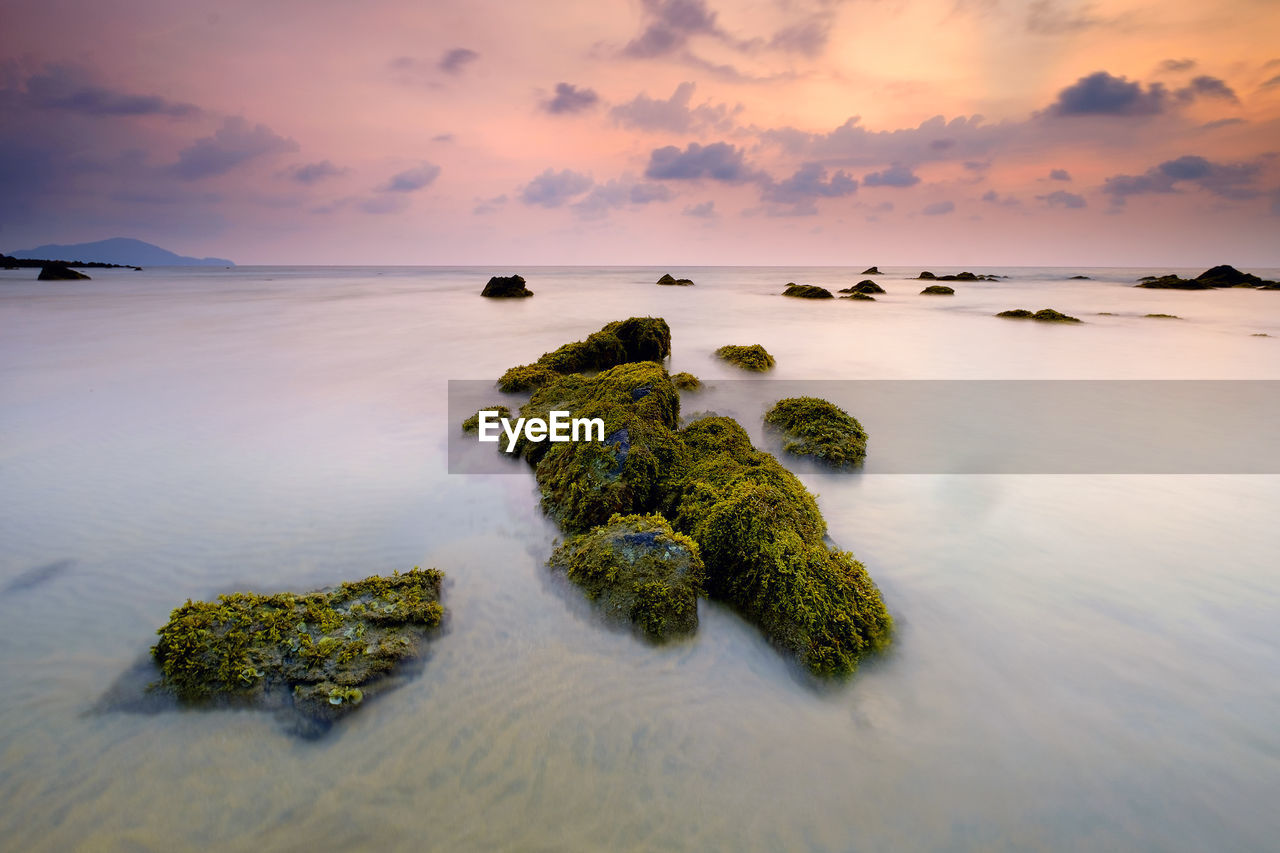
<point>1084,658</point>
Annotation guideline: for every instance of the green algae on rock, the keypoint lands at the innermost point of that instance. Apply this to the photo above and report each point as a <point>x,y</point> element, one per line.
<point>806,291</point>
<point>938,290</point>
<point>865,286</point>
<point>819,430</point>
<point>319,654</point>
<point>686,382</point>
<point>668,279</point>
<point>752,357</point>
<point>472,424</point>
<point>620,342</point>
<point>857,294</point>
<point>638,569</point>
<point>1044,315</point>
<point>760,535</point>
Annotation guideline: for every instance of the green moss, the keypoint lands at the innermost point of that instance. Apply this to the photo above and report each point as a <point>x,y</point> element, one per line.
<point>806,291</point>
<point>251,649</point>
<point>820,430</point>
<point>938,290</point>
<point>686,382</point>
<point>668,279</point>
<point>1165,316</point>
<point>472,424</point>
<point>761,538</point>
<point>1044,315</point>
<point>620,342</point>
<point>637,568</point>
<point>753,357</point>
<point>865,297</point>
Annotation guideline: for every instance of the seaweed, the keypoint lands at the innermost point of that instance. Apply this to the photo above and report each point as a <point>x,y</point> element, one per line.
<point>806,291</point>
<point>320,654</point>
<point>819,430</point>
<point>753,357</point>
<point>620,342</point>
<point>686,382</point>
<point>638,569</point>
<point>1044,315</point>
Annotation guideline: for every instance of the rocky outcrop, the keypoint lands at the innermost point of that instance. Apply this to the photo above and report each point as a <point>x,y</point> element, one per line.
<point>807,291</point>
<point>60,272</point>
<point>634,339</point>
<point>865,286</point>
<point>686,382</point>
<point>753,357</point>
<point>864,297</point>
<point>963,276</point>
<point>506,287</point>
<point>938,290</point>
<point>1044,315</point>
<point>668,279</point>
<point>872,271</point>
<point>1211,279</point>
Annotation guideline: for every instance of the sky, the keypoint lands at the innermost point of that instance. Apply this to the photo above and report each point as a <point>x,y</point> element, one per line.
<point>655,132</point>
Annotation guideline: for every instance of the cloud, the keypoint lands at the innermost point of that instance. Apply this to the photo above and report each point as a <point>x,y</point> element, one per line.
<point>670,24</point>
<point>1059,175</point>
<point>1062,198</point>
<point>674,114</point>
<point>808,37</point>
<point>1101,93</point>
<point>938,208</point>
<point>1205,86</point>
<point>704,210</point>
<point>456,60</point>
<point>443,137</point>
<point>412,180</point>
<point>1222,122</point>
<point>1272,83</point>
<point>553,189</point>
<point>68,87</point>
<point>718,161</point>
<point>235,143</point>
<point>1176,65</point>
<point>1226,180</point>
<point>961,138</point>
<point>993,197</point>
<point>383,204</point>
<point>618,193</point>
<point>570,99</point>
<point>1045,17</point>
<point>646,193</point>
<point>896,175</point>
<point>810,182</point>
<point>489,205</point>
<point>311,173</point>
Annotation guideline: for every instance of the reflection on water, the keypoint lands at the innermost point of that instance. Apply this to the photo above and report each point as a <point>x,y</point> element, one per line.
<point>1082,662</point>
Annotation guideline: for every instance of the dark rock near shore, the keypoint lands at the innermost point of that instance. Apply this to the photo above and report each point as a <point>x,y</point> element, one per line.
<point>1080,278</point>
<point>807,291</point>
<point>686,382</point>
<point>506,287</point>
<point>857,294</point>
<point>938,290</point>
<point>751,357</point>
<point>60,272</point>
<point>820,430</point>
<point>962,276</point>
<point>1210,279</point>
<point>1044,315</point>
<point>667,278</point>
<point>872,271</point>
<point>865,286</point>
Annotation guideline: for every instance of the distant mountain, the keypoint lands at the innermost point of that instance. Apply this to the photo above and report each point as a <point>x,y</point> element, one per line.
<point>120,250</point>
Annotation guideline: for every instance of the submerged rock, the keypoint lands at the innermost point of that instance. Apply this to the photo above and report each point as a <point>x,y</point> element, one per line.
<point>1210,279</point>
<point>866,286</point>
<point>506,287</point>
<point>807,291</point>
<point>620,342</point>
<point>938,290</point>
<point>819,430</point>
<point>686,382</point>
<point>963,276</point>
<point>60,272</point>
<point>318,655</point>
<point>668,279</point>
<point>1164,316</point>
<point>1080,278</point>
<point>857,294</point>
<point>640,570</point>
<point>1044,315</point>
<point>752,357</point>
<point>872,271</point>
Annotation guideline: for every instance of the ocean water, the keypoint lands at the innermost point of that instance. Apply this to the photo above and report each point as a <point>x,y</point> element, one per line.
<point>1082,661</point>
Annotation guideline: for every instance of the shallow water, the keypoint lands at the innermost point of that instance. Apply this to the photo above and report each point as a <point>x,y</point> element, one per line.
<point>1082,662</point>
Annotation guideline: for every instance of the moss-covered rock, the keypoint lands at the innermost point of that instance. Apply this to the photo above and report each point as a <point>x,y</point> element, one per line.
<point>640,570</point>
<point>752,357</point>
<point>1164,316</point>
<point>819,430</point>
<point>506,287</point>
<point>865,297</point>
<point>620,342</point>
<point>1044,315</point>
<point>761,538</point>
<point>472,424</point>
<point>320,654</point>
<point>938,290</point>
<point>807,291</point>
<point>668,279</point>
<point>1211,279</point>
<point>864,286</point>
<point>686,382</point>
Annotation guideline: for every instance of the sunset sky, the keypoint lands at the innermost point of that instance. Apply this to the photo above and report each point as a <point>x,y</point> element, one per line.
<point>665,132</point>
